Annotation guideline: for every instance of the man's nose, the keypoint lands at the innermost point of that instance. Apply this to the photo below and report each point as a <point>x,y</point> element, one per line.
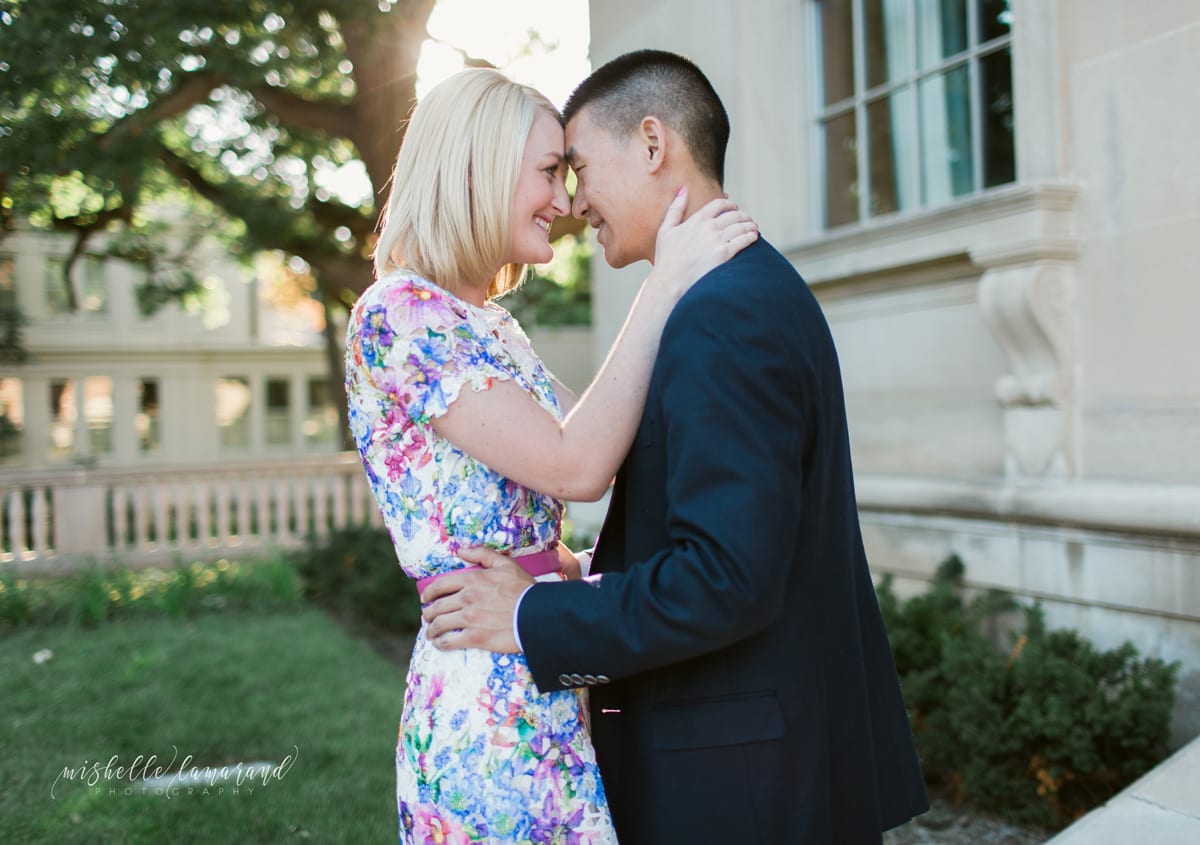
<point>579,206</point>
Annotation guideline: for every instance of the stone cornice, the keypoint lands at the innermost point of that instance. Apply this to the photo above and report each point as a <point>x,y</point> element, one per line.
<point>1005,225</point>
<point>1111,506</point>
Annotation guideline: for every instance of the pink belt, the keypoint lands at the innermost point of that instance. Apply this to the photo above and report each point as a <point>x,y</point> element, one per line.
<point>538,563</point>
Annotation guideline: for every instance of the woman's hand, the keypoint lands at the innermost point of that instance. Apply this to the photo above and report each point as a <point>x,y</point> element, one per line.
<point>688,249</point>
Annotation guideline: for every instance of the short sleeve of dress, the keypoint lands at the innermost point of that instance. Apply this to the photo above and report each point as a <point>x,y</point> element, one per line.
<point>421,346</point>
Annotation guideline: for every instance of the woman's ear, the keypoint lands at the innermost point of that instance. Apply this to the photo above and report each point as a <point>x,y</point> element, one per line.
<point>652,136</point>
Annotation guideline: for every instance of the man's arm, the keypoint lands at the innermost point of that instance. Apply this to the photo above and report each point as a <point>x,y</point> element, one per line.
<point>734,428</point>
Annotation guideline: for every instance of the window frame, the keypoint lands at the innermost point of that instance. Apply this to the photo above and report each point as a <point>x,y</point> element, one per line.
<point>862,98</point>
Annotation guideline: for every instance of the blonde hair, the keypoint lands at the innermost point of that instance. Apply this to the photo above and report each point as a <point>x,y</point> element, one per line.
<point>448,213</point>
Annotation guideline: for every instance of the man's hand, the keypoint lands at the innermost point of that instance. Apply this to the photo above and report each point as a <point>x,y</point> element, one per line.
<point>475,609</point>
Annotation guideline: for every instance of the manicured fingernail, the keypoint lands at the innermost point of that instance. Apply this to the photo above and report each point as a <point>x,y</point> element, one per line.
<point>679,193</point>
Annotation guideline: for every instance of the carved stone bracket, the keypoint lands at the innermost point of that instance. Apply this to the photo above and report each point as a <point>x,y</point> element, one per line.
<point>1030,307</point>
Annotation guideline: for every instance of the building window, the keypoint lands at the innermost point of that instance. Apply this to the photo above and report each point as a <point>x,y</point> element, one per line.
<point>98,414</point>
<point>81,416</point>
<point>279,412</point>
<point>62,419</point>
<point>88,285</point>
<point>233,412</point>
<point>915,103</point>
<point>147,420</point>
<point>12,420</point>
<point>8,283</point>
<point>321,419</point>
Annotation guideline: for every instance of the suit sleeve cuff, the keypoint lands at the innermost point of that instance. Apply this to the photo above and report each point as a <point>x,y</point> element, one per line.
<point>516,614</point>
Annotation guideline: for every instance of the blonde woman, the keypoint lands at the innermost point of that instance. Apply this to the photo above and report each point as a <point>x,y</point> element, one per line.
<point>468,441</point>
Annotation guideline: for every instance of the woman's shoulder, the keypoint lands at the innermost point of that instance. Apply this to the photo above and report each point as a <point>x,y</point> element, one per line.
<point>411,302</point>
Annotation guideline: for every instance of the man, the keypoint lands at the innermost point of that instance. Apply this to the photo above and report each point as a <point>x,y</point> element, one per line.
<point>742,687</point>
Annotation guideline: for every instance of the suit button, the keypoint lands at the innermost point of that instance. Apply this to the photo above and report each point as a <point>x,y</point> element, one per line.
<point>590,680</point>
<point>602,679</point>
<point>577,679</point>
<point>565,680</point>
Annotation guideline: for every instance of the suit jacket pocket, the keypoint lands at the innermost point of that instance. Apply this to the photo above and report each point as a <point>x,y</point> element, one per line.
<point>713,722</point>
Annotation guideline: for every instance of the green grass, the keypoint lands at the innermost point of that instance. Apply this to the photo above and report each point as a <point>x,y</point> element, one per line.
<point>222,687</point>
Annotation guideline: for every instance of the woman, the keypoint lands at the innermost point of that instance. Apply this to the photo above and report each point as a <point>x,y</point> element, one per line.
<point>483,755</point>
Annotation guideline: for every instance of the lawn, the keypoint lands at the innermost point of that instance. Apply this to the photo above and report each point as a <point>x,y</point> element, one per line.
<point>224,688</point>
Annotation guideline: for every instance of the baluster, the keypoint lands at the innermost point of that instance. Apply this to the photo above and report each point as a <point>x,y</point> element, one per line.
<point>18,542</point>
<point>337,487</point>
<point>202,500</point>
<point>120,518</point>
<point>222,489</point>
<point>243,491</point>
<point>141,517</point>
<point>354,491</point>
<point>300,487</point>
<point>41,522</point>
<point>181,510</point>
<point>283,515</point>
<point>162,516</point>
<point>320,491</point>
<point>263,534</point>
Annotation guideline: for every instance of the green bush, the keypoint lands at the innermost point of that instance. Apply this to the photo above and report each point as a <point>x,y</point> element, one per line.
<point>1041,732</point>
<point>354,573</point>
<point>97,594</point>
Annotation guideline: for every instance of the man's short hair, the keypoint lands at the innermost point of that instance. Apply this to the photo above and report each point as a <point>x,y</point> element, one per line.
<point>664,85</point>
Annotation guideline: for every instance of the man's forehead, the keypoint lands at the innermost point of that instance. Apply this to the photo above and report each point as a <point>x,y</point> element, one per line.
<point>583,135</point>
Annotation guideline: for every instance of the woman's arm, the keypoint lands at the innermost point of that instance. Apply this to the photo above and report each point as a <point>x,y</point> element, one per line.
<point>505,428</point>
<point>566,397</point>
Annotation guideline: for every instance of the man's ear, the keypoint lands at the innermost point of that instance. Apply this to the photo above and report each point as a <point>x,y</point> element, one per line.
<point>652,136</point>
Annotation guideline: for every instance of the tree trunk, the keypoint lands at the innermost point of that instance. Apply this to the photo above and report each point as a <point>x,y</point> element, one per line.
<point>384,50</point>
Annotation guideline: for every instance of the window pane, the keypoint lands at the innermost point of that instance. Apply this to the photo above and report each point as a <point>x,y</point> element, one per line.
<point>995,19</point>
<point>12,419</point>
<point>98,413</point>
<point>62,419</point>
<point>890,139</point>
<point>93,293</point>
<point>941,30</point>
<point>147,422</point>
<point>8,290</point>
<point>320,422</point>
<point>837,49</point>
<point>233,412</point>
<point>887,33</point>
<point>58,301</point>
<point>947,169</point>
<point>999,159</point>
<point>279,414</point>
<point>841,170</point>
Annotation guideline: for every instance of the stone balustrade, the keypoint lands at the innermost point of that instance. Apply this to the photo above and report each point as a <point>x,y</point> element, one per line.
<point>51,521</point>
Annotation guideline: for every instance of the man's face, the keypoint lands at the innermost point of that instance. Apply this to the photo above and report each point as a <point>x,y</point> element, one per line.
<point>614,193</point>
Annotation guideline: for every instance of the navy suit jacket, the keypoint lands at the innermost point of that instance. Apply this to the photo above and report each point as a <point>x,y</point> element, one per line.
<point>742,686</point>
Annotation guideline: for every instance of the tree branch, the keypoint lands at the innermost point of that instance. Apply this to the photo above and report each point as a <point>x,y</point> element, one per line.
<point>293,110</point>
<point>290,108</point>
<point>83,225</point>
<point>194,89</point>
<point>332,214</point>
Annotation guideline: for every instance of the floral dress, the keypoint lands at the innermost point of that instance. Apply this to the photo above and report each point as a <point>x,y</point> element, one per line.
<point>482,754</point>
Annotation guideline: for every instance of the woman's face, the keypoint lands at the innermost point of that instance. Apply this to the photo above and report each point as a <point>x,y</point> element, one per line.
<point>541,193</point>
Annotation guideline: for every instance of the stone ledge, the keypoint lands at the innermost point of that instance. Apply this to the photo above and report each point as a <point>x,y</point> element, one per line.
<point>1161,509</point>
<point>1163,807</point>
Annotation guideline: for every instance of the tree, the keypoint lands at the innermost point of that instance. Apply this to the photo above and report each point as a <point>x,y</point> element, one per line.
<point>251,105</point>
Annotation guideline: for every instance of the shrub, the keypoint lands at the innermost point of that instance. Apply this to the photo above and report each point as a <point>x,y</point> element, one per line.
<point>97,594</point>
<point>354,573</point>
<point>1041,732</point>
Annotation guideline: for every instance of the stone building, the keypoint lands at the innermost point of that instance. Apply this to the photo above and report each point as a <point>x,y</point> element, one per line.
<point>998,206</point>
